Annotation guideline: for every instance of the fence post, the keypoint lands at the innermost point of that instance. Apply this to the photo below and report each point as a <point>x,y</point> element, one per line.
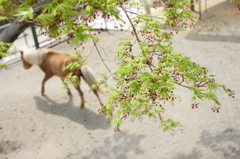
<point>34,36</point>
<point>206,5</point>
<point>200,10</point>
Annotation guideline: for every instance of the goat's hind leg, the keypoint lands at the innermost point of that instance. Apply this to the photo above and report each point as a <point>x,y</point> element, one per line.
<point>96,93</point>
<point>77,87</point>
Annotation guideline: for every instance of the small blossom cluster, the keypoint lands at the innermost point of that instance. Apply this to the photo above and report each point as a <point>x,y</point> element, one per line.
<point>215,109</point>
<point>195,105</point>
<point>232,94</point>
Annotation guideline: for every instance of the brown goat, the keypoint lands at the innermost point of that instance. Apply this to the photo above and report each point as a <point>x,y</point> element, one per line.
<point>53,63</point>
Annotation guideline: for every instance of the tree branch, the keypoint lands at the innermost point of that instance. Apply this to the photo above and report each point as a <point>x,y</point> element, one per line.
<point>11,33</point>
<point>134,30</point>
<point>183,85</point>
<point>99,52</point>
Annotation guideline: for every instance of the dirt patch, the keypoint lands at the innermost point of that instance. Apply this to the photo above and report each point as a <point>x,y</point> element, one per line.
<point>7,146</point>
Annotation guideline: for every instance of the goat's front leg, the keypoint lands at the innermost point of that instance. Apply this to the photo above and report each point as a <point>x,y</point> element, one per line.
<point>47,76</point>
<point>68,90</point>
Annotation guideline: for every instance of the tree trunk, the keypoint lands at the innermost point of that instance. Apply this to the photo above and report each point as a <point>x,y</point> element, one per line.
<point>11,33</point>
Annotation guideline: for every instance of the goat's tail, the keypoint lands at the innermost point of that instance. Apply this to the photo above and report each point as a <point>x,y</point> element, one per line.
<point>89,78</point>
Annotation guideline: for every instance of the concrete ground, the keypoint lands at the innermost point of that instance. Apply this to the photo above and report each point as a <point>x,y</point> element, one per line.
<point>54,127</point>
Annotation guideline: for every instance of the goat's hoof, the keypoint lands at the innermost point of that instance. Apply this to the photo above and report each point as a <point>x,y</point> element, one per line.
<point>82,105</point>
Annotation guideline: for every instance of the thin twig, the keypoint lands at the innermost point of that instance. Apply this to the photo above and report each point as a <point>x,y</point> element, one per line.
<point>90,52</point>
<point>134,30</point>
<point>129,19</point>
<point>140,14</point>
<point>183,85</point>
<point>99,53</point>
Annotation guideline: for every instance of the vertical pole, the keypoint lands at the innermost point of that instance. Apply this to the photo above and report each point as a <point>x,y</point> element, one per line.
<point>200,11</point>
<point>206,5</point>
<point>34,36</point>
<point>25,35</point>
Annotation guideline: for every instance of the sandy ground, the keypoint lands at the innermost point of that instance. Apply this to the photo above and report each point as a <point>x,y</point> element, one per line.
<point>54,127</point>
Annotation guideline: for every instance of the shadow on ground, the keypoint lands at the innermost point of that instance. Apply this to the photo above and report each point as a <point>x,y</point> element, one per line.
<point>119,146</point>
<point>219,23</point>
<point>224,145</point>
<point>82,116</point>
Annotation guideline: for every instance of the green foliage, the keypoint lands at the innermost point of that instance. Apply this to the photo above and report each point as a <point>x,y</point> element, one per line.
<point>146,81</point>
<point>234,1</point>
<point>4,47</point>
<point>177,13</point>
<point>25,15</point>
<point>3,18</point>
<point>71,79</point>
<point>3,65</point>
<point>147,78</point>
<point>169,124</point>
<point>73,67</point>
<point>7,9</point>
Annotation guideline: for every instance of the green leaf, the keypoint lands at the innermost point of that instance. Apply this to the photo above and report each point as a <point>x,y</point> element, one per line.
<point>48,8</point>
<point>170,124</point>
<point>117,122</point>
<point>3,65</point>
<point>212,96</point>
<point>194,98</point>
<point>63,6</point>
<point>25,15</point>
<point>46,19</point>
<point>89,10</point>
<point>212,86</point>
<point>3,18</point>
<point>234,1</point>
